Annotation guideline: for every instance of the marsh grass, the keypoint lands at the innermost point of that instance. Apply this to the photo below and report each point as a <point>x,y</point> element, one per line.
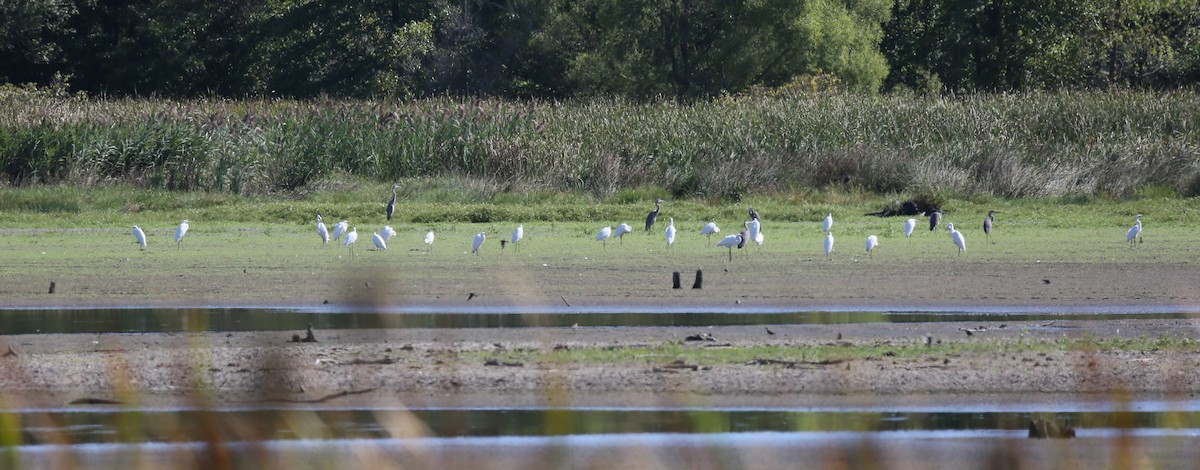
<point>1033,145</point>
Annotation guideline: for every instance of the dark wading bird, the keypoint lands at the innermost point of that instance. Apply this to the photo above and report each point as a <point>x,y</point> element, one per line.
<point>934,219</point>
<point>391,207</point>
<point>987,226</point>
<point>653,215</point>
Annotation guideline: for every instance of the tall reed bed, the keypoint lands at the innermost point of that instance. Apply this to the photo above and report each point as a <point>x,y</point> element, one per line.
<point>1022,145</point>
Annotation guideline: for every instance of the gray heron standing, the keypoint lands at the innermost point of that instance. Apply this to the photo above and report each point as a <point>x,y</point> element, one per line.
<point>391,207</point>
<point>653,215</point>
<point>987,226</point>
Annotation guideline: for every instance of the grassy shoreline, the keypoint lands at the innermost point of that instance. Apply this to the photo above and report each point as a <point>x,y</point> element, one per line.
<point>1034,145</point>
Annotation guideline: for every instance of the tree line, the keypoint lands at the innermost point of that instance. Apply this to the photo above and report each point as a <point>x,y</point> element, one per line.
<point>678,49</point>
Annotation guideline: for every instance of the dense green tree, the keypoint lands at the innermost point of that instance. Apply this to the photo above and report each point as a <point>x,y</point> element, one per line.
<point>28,38</point>
<point>684,48</point>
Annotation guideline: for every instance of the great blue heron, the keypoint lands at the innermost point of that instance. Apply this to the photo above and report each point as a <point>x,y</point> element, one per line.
<point>828,244</point>
<point>479,239</point>
<point>140,236</point>
<point>518,234</point>
<point>909,226</point>
<point>391,207</point>
<point>872,242</point>
<point>957,238</point>
<point>730,241</point>
<point>604,234</point>
<point>828,224</point>
<point>709,229</point>
<point>1135,231</point>
<point>653,215</point>
<point>322,231</point>
<point>379,242</point>
<point>351,237</point>
<point>671,233</point>
<point>987,226</point>
<point>934,219</point>
<point>180,232</point>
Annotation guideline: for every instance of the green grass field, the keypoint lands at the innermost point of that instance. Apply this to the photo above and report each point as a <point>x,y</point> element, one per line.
<point>265,250</point>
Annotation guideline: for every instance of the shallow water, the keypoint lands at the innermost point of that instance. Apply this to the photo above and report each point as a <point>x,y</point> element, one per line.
<point>158,320</point>
<point>101,425</point>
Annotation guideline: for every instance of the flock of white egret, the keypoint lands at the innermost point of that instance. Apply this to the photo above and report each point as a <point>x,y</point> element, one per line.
<point>751,231</point>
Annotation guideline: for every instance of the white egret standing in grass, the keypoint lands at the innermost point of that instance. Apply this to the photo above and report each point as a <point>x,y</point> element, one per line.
<point>391,207</point>
<point>754,231</point>
<point>478,242</point>
<point>603,235</point>
<point>987,226</point>
<point>730,241</point>
<point>828,244</point>
<point>872,242</point>
<point>429,241</point>
<point>340,229</point>
<point>322,231</point>
<point>709,229</point>
<point>671,233</point>
<point>621,231</point>
<point>140,236</point>
<point>387,233</point>
<point>180,232</point>
<point>379,242</point>
<point>957,238</point>
<point>909,226</point>
<point>828,224</point>
<point>351,237</point>
<point>518,234</point>
<point>1135,231</point>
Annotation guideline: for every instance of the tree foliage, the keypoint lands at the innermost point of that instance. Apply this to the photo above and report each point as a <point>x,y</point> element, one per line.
<point>645,49</point>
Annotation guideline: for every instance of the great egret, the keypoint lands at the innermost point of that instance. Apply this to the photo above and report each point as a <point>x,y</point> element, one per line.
<point>140,236</point>
<point>340,229</point>
<point>603,235</point>
<point>391,207</point>
<point>753,213</point>
<point>653,215</point>
<point>957,238</point>
<point>671,233</point>
<point>754,231</point>
<point>987,226</point>
<point>909,226</point>
<point>828,244</point>
<point>1134,231</point>
<point>180,232</point>
<point>379,242</point>
<point>351,237</point>
<point>479,238</point>
<point>934,219</point>
<point>621,231</point>
<point>322,231</point>
<point>709,229</point>
<point>872,242</point>
<point>429,241</point>
<point>828,224</point>
<point>518,234</point>
<point>387,233</point>
<point>730,241</point>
